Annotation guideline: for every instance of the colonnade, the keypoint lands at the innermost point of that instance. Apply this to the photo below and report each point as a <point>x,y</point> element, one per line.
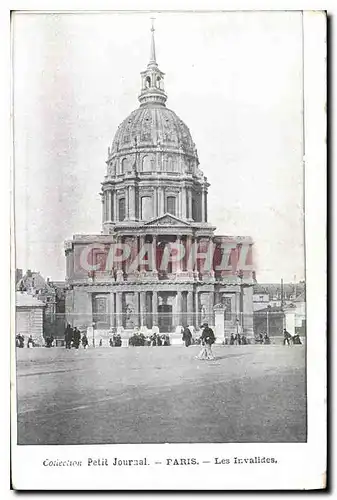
<point>187,263</point>
<point>191,314</point>
<point>133,203</point>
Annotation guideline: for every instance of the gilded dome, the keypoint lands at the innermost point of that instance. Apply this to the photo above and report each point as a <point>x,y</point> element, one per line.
<point>153,126</point>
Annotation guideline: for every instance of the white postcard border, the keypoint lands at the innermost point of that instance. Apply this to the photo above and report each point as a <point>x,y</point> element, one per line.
<point>298,465</point>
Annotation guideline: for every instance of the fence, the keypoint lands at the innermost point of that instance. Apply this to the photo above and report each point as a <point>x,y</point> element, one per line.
<point>252,326</point>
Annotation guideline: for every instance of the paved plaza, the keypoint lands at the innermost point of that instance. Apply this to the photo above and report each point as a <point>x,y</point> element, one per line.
<point>161,394</point>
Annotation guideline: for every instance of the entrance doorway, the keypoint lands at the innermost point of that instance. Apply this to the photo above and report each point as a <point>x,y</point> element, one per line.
<point>165,318</point>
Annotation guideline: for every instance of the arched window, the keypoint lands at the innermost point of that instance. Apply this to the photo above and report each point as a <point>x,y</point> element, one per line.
<point>158,82</point>
<point>124,166</point>
<point>147,164</point>
<point>121,209</point>
<point>147,209</point>
<point>147,82</point>
<point>171,205</point>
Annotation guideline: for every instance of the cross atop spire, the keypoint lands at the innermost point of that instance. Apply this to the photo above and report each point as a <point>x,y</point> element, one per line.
<point>153,46</point>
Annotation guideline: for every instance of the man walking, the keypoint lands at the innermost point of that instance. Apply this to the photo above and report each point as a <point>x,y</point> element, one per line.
<point>207,340</point>
<point>68,336</point>
<point>77,337</point>
<point>287,337</point>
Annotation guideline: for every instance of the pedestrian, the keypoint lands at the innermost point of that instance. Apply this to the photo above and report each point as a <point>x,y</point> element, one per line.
<point>266,339</point>
<point>297,339</point>
<point>207,340</point>
<point>30,342</point>
<point>238,333</point>
<point>85,341</point>
<point>187,336</point>
<point>76,337</point>
<point>286,337</point>
<point>68,336</point>
<point>100,342</point>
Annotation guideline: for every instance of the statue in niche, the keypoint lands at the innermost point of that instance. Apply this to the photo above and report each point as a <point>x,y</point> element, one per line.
<point>128,316</point>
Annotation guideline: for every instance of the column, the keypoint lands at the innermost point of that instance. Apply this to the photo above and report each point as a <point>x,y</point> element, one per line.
<point>112,309</point>
<point>189,254</point>
<point>106,206</point>
<point>132,202</point>
<point>203,205</point>
<point>178,263</point>
<point>238,304</point>
<point>103,208</point>
<point>162,201</point>
<point>179,211</point>
<point>136,304</point>
<point>110,206</point>
<point>194,253</point>
<point>197,319</point>
<point>142,308</point>
<point>141,245</point>
<point>179,303</point>
<point>190,318</point>
<point>119,263</point>
<point>183,203</point>
<point>119,309</point>
<point>248,311</point>
<point>154,253</point>
<point>206,209</point>
<point>189,195</point>
<point>134,250</point>
<point>126,202</point>
<point>154,308</point>
<point>155,202</point>
<point>210,305</point>
<point>115,206</point>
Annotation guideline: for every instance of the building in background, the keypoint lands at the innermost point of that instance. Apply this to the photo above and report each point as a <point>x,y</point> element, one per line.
<point>52,297</point>
<point>278,306</point>
<point>155,193</point>
<point>276,294</point>
<point>29,317</point>
<point>295,316</point>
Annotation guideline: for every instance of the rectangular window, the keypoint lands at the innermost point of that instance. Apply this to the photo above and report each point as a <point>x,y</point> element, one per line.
<point>147,211</point>
<point>100,313</point>
<point>121,209</point>
<point>171,205</point>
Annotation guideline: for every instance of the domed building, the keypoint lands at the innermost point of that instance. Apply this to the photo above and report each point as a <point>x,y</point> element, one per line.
<point>157,265</point>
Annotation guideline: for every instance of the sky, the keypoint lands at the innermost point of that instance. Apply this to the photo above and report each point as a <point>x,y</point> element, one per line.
<point>234,78</point>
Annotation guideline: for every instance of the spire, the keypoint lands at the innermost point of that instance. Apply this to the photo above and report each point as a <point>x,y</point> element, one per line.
<point>152,91</point>
<point>153,46</point>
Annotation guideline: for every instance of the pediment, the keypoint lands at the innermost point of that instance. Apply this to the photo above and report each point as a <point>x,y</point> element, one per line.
<point>166,220</point>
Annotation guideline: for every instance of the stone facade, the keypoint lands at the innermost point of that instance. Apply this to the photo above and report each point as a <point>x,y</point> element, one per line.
<point>154,197</point>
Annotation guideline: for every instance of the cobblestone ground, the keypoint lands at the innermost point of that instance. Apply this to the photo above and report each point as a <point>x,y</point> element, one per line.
<point>161,394</point>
